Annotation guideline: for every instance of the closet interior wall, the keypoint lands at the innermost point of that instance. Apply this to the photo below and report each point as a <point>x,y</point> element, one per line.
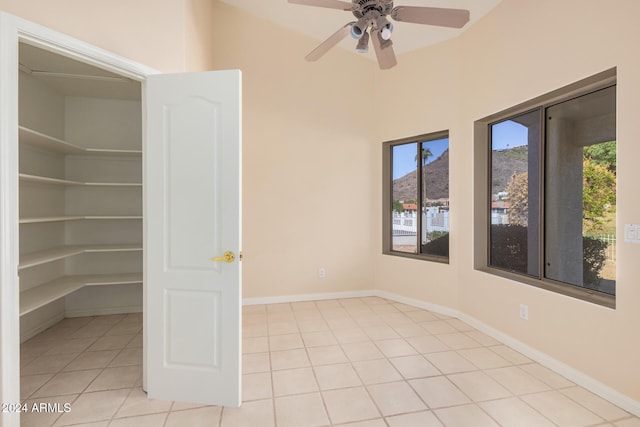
<point>80,190</point>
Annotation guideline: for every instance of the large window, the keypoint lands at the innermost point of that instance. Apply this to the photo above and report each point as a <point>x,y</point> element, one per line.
<point>416,197</point>
<point>550,201</point>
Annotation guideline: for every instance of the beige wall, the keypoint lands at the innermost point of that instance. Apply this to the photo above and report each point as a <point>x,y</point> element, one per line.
<point>148,32</point>
<point>307,158</point>
<point>523,49</point>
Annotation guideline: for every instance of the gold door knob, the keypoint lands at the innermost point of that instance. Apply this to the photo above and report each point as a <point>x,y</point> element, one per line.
<point>227,257</point>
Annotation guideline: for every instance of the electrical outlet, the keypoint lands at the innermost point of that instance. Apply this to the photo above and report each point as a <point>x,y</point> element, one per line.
<point>321,272</point>
<point>632,233</point>
<point>524,311</point>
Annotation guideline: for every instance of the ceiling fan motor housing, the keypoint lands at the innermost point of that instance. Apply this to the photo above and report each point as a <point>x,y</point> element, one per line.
<point>382,7</point>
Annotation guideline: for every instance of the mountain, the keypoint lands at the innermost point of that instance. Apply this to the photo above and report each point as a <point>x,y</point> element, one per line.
<point>437,181</point>
<point>504,163</point>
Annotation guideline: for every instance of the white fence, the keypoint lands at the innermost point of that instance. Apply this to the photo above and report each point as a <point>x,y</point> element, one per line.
<point>406,223</point>
<point>610,239</point>
<point>499,218</point>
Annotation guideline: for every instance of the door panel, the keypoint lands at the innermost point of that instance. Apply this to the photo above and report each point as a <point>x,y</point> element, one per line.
<point>193,159</point>
<point>192,212</point>
<point>189,347</point>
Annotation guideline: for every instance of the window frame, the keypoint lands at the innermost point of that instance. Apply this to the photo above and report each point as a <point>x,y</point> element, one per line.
<point>387,196</point>
<point>482,188</point>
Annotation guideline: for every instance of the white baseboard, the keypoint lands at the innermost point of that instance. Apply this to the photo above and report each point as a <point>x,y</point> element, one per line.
<point>440,309</point>
<point>41,326</point>
<point>623,401</point>
<point>306,297</point>
<point>104,311</point>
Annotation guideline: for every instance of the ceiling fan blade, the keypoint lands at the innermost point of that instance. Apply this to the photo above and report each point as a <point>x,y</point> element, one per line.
<point>333,40</point>
<point>331,4</point>
<point>454,18</point>
<point>384,51</point>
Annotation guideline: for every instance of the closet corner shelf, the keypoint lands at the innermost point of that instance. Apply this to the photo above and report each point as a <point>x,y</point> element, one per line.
<point>38,139</point>
<point>56,181</point>
<point>77,218</point>
<point>33,259</point>
<point>46,293</point>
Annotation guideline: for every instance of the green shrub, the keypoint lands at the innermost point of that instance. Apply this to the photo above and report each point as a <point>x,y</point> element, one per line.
<point>509,247</point>
<point>438,247</point>
<point>509,251</point>
<point>436,235</point>
<point>595,256</point>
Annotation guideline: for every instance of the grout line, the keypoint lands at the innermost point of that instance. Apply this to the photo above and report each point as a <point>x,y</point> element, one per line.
<point>363,313</point>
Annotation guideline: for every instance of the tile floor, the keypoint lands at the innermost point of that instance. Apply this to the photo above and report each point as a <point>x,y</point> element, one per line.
<point>359,362</point>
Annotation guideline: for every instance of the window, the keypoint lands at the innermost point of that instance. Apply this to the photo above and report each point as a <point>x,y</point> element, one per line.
<point>416,197</point>
<point>550,203</point>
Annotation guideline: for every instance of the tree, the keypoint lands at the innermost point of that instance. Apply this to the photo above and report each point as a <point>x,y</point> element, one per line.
<point>425,154</point>
<point>598,195</point>
<point>518,197</point>
<point>603,154</point>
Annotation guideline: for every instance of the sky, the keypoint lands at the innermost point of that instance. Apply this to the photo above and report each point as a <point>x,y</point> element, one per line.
<point>508,134</point>
<point>505,134</point>
<point>404,156</point>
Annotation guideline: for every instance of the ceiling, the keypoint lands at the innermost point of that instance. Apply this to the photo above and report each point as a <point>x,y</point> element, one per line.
<point>319,23</point>
<point>74,78</point>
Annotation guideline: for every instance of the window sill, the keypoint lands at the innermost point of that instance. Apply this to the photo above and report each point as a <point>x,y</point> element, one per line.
<point>422,257</point>
<point>588,295</point>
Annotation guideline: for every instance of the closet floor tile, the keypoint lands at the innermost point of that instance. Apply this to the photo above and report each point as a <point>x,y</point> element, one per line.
<point>117,378</point>
<point>137,403</point>
<point>91,360</point>
<point>90,407</point>
<point>67,383</point>
<point>48,364</point>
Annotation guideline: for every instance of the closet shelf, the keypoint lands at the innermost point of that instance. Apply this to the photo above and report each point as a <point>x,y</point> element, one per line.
<point>77,218</point>
<point>37,139</point>
<point>41,257</point>
<point>42,295</point>
<point>55,181</point>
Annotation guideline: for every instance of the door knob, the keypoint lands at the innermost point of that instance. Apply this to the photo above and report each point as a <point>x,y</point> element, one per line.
<point>227,257</point>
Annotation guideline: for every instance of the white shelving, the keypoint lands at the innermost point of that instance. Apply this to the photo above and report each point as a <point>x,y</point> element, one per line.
<point>77,218</point>
<point>41,295</point>
<point>80,206</point>
<point>55,181</point>
<point>37,139</point>
<point>48,255</point>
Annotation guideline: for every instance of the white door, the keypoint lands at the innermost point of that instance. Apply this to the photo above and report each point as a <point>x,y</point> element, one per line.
<point>192,211</point>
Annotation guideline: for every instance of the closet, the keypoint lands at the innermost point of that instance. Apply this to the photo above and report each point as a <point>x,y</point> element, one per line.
<point>80,191</point>
<point>114,178</point>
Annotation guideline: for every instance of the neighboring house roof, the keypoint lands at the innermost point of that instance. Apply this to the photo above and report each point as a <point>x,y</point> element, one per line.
<point>500,204</point>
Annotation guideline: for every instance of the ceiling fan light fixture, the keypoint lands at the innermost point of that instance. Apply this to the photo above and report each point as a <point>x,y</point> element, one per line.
<point>384,43</point>
<point>359,29</point>
<point>385,32</point>
<point>363,43</point>
<point>384,26</point>
<point>356,32</point>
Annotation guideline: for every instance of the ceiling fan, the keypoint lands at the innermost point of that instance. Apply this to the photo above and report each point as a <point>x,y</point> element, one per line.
<point>372,22</point>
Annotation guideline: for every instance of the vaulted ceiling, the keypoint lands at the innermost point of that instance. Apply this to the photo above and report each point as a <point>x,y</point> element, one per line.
<point>319,23</point>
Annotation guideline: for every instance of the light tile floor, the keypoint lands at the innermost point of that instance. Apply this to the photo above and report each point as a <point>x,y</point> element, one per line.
<point>359,362</point>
